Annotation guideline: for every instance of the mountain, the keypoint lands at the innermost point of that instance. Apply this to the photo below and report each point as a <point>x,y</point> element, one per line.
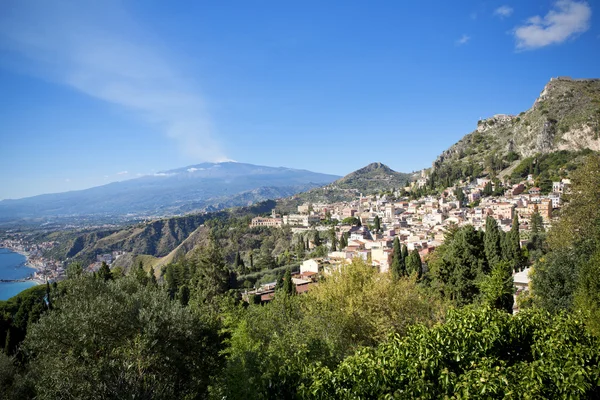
<point>372,178</point>
<point>207,186</point>
<point>375,176</point>
<point>565,116</point>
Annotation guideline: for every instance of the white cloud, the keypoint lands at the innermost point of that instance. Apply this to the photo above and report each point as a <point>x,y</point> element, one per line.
<point>123,173</point>
<point>96,48</point>
<point>503,11</point>
<point>567,20</point>
<point>163,174</point>
<point>193,169</point>
<point>463,40</point>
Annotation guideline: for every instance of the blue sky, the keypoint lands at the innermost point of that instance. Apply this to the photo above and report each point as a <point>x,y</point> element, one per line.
<point>94,92</point>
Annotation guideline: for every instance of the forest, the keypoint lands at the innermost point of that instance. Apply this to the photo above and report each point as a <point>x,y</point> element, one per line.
<point>442,329</point>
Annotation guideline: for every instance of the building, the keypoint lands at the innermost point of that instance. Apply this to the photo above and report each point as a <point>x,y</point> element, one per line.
<point>264,221</point>
<point>300,220</point>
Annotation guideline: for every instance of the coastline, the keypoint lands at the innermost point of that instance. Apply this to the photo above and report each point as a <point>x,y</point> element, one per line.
<point>28,264</point>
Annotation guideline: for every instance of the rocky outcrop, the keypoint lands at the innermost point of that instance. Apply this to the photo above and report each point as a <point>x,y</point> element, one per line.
<point>565,116</point>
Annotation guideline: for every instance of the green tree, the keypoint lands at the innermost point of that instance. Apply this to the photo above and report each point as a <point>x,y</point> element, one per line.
<point>398,268</point>
<point>457,265</point>
<point>238,263</point>
<point>300,249</point>
<point>74,270</point>
<point>554,279</point>
<point>460,196</point>
<point>514,244</point>
<point>537,223</point>
<point>497,288</point>
<point>333,239</point>
<point>184,295</point>
<point>474,354</point>
<point>212,273</point>
<point>104,272</point>
<point>579,223</point>
<point>414,264</point>
<point>121,340</point>
<point>377,224</point>
<point>344,241</point>
<point>491,241</point>
<point>140,274</point>
<point>288,285</point>
<point>316,238</point>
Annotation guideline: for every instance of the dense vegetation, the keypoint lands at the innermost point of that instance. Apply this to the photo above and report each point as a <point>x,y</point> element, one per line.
<point>443,330</point>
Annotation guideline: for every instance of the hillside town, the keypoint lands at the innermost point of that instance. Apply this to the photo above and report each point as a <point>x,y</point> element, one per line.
<point>419,224</point>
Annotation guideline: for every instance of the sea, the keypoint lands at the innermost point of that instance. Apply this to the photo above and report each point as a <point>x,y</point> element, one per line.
<point>12,266</point>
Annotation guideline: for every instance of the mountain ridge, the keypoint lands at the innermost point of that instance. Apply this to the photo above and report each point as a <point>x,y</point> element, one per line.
<point>565,116</point>
<point>208,186</point>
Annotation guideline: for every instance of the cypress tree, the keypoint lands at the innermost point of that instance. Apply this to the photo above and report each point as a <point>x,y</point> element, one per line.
<point>288,285</point>
<point>491,242</point>
<point>171,281</point>
<point>413,263</point>
<point>316,239</point>
<point>514,244</point>
<point>140,274</point>
<point>404,253</point>
<point>184,295</point>
<point>104,272</point>
<point>377,223</point>
<point>398,266</point>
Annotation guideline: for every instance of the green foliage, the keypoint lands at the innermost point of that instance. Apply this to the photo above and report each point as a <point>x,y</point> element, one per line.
<point>120,340</point>
<point>288,287</point>
<point>550,166</point>
<point>269,346</point>
<point>458,264</point>
<point>497,288</point>
<point>104,272</point>
<point>18,314</point>
<point>475,354</point>
<point>587,294</point>
<point>554,279</point>
<point>414,264</point>
<point>491,241</point>
<point>351,221</point>
<point>398,267</point>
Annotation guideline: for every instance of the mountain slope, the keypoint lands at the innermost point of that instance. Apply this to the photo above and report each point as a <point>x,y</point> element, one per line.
<point>566,116</point>
<point>207,186</point>
<point>373,177</point>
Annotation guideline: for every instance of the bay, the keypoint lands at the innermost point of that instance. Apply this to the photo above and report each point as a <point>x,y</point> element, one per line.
<point>12,266</point>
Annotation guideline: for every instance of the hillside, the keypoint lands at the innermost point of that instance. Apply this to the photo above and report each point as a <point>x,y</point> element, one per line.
<point>158,238</point>
<point>565,116</point>
<point>374,177</point>
<point>202,187</point>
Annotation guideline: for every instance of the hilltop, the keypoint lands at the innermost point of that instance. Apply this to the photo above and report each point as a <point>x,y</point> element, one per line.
<point>565,116</point>
<point>373,177</point>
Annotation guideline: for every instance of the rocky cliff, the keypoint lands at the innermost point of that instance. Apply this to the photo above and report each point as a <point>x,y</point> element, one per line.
<point>566,116</point>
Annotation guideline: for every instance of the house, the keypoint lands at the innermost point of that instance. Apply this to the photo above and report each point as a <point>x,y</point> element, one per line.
<point>309,266</point>
<point>536,191</point>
